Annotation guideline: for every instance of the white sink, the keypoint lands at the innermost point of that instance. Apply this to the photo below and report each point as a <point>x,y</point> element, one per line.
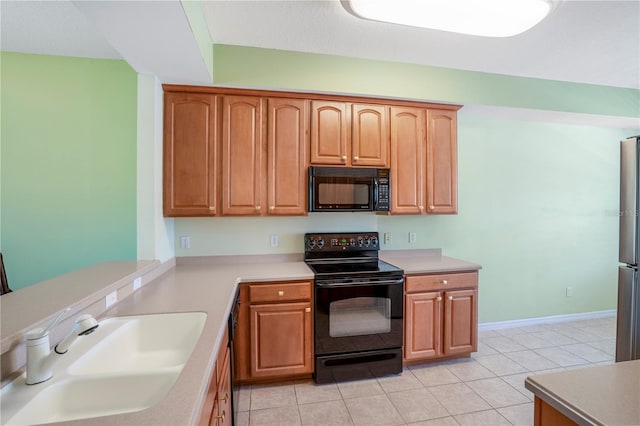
<point>142,343</point>
<point>82,398</point>
<point>128,364</point>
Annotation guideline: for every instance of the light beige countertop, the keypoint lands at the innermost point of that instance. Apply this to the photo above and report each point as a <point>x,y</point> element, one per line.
<point>206,285</point>
<point>426,261</point>
<point>602,395</point>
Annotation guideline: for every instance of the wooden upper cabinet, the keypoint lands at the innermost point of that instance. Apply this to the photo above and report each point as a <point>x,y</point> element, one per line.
<point>190,155</point>
<point>348,134</point>
<point>442,161</point>
<point>369,135</point>
<point>329,133</point>
<point>408,147</point>
<point>242,155</point>
<point>287,161</point>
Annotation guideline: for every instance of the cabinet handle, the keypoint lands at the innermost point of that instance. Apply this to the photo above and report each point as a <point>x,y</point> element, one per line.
<point>212,208</point>
<point>307,309</point>
<point>280,293</point>
<point>421,208</point>
<point>344,158</point>
<point>356,158</point>
<point>450,297</point>
<point>444,282</point>
<point>439,298</point>
<point>432,208</point>
<point>226,398</point>
<point>221,418</point>
<point>258,208</point>
<point>272,208</point>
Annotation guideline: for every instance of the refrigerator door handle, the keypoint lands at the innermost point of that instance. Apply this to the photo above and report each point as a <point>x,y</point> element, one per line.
<point>629,201</point>
<point>628,329</point>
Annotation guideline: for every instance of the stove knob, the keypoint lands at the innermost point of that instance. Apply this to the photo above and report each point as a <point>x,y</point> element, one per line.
<point>320,243</point>
<point>374,241</point>
<point>311,244</point>
<point>367,242</point>
<point>361,242</point>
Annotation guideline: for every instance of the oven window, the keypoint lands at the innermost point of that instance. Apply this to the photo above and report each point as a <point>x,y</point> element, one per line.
<point>343,194</point>
<point>360,316</point>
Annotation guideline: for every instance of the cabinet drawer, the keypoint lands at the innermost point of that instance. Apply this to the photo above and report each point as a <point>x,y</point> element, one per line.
<point>279,292</point>
<point>435,282</point>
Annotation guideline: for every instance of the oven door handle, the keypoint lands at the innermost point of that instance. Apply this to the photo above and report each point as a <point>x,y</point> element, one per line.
<point>398,281</point>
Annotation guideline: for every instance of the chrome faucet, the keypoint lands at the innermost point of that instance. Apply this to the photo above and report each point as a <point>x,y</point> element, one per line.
<point>40,359</point>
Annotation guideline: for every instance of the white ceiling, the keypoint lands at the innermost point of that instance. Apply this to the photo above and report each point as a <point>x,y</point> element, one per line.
<point>595,41</point>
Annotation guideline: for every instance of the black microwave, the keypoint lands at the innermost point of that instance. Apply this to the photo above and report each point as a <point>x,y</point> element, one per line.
<point>348,189</point>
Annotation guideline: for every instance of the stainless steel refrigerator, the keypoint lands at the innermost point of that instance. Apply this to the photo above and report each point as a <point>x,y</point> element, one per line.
<point>628,326</point>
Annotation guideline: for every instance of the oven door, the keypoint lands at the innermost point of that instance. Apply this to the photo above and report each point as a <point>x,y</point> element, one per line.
<point>360,316</point>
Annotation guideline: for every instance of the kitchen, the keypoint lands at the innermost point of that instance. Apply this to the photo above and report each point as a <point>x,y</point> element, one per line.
<point>528,229</point>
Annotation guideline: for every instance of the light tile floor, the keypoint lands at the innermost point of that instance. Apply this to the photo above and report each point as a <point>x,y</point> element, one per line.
<point>486,389</point>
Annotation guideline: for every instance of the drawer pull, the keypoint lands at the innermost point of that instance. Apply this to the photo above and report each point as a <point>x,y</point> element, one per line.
<point>445,282</point>
<point>307,309</point>
<point>280,293</point>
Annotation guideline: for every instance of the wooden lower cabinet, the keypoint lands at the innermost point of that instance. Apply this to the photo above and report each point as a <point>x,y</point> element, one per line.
<point>217,406</point>
<point>440,315</point>
<point>545,415</point>
<point>274,335</point>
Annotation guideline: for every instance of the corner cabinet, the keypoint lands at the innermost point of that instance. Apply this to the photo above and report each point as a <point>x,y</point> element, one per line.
<point>424,161</point>
<point>274,338</point>
<point>441,318</point>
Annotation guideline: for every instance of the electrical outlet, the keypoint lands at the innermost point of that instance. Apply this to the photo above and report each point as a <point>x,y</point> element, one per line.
<point>111,299</point>
<point>137,283</point>
<point>185,242</point>
<point>568,292</point>
<point>387,237</point>
<point>275,240</point>
<point>412,237</point>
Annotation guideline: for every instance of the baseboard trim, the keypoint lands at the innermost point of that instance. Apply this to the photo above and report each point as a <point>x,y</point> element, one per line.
<point>546,320</point>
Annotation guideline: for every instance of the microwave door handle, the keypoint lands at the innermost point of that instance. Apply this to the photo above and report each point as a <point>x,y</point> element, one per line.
<point>375,194</point>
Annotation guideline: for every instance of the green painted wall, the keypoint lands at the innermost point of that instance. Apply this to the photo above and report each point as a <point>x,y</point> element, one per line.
<point>68,137</point>
<point>250,66</point>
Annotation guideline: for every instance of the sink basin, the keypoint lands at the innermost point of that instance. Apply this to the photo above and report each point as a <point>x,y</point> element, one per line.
<point>142,343</point>
<point>128,364</point>
<point>93,397</point>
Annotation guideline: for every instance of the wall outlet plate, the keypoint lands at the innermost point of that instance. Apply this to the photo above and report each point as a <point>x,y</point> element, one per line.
<point>275,240</point>
<point>412,237</point>
<point>137,283</point>
<point>185,242</point>
<point>111,299</point>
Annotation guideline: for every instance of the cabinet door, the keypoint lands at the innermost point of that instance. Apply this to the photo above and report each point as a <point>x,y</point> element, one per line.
<point>329,133</point>
<point>369,135</point>
<point>423,312</point>
<point>408,147</point>
<point>224,414</point>
<point>281,339</point>
<point>460,321</point>
<point>190,155</point>
<point>287,142</point>
<point>242,147</point>
<point>442,162</point>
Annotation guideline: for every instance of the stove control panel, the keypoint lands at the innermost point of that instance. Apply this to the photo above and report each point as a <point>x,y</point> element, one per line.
<point>346,241</point>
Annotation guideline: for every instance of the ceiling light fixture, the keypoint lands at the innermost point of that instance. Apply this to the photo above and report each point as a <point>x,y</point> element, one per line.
<point>490,18</point>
